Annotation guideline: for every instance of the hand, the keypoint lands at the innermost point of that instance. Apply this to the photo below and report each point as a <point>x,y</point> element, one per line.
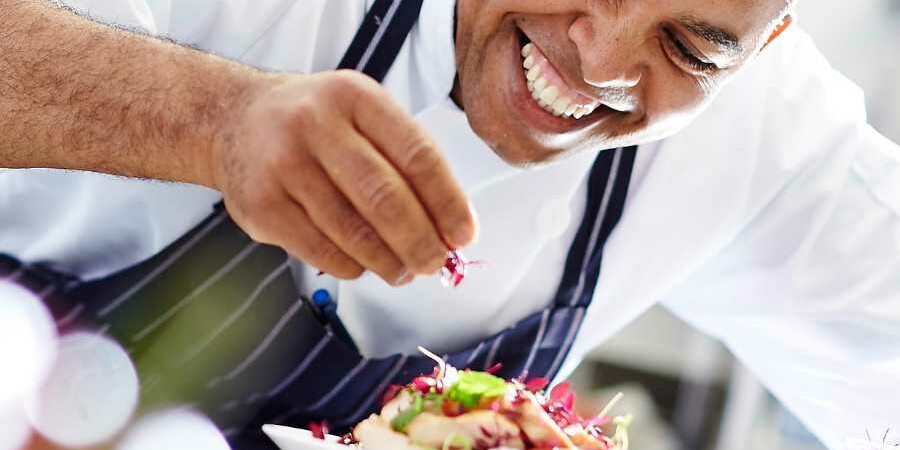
<point>330,168</point>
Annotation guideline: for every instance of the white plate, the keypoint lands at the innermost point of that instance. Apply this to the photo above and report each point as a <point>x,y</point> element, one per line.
<point>288,438</point>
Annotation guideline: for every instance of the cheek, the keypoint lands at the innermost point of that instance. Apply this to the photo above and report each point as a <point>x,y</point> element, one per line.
<point>673,100</point>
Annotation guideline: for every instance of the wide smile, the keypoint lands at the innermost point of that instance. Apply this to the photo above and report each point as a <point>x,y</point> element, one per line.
<point>543,97</point>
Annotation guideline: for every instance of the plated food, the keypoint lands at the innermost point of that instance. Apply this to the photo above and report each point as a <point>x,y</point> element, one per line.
<point>454,409</point>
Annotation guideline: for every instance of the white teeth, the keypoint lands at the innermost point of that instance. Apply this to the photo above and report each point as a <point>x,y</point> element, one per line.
<point>561,105</point>
<point>583,111</point>
<point>529,62</point>
<point>546,94</point>
<point>550,94</point>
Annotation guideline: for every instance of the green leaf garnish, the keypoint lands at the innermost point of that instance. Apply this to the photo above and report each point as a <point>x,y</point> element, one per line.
<point>407,415</point>
<point>472,387</point>
<point>457,441</point>
<point>434,401</point>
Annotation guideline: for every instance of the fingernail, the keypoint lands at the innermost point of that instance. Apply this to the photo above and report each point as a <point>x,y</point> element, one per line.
<point>464,234</point>
<point>405,278</point>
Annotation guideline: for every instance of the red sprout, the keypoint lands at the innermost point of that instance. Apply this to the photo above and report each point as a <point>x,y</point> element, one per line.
<point>495,368</point>
<point>455,267</point>
<point>562,395</point>
<point>423,384</point>
<point>536,384</point>
<point>319,429</point>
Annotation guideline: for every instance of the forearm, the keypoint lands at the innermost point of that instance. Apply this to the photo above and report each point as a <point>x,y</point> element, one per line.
<point>79,95</point>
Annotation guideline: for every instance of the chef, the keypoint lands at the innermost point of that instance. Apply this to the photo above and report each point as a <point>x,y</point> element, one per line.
<point>738,184</point>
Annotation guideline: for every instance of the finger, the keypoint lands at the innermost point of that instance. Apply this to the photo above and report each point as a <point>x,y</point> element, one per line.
<point>416,156</point>
<point>338,219</point>
<point>383,198</point>
<point>294,231</point>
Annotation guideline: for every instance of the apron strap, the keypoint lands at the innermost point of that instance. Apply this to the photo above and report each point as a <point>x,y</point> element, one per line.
<point>381,36</point>
<point>607,191</point>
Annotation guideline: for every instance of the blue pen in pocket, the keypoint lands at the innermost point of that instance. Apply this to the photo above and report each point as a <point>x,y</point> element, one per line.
<point>328,308</point>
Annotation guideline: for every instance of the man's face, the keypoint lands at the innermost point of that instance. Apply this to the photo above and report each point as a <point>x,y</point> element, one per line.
<point>540,78</point>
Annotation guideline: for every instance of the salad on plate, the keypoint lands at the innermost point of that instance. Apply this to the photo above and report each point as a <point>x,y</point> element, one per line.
<point>453,409</point>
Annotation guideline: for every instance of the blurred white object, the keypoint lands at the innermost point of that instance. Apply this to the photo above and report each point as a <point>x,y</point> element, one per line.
<point>27,343</point>
<point>176,429</point>
<point>14,428</point>
<point>89,395</point>
<point>862,40</point>
<point>288,438</point>
<point>860,444</point>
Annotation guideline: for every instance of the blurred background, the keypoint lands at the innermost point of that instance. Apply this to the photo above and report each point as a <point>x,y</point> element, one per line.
<point>687,389</point>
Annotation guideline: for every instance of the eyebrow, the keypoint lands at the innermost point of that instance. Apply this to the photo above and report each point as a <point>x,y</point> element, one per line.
<point>711,33</point>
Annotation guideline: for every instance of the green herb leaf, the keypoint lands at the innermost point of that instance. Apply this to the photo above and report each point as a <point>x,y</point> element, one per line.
<point>472,387</point>
<point>434,401</point>
<point>457,441</point>
<point>407,415</point>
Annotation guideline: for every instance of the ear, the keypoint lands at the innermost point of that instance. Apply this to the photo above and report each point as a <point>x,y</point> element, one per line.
<point>780,28</point>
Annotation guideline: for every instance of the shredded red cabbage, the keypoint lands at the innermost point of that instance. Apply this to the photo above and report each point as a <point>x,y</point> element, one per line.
<point>423,384</point>
<point>319,429</point>
<point>455,267</point>
<point>559,404</point>
<point>536,384</point>
<point>562,396</point>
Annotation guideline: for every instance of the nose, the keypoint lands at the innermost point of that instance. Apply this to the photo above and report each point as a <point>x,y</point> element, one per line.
<point>608,59</point>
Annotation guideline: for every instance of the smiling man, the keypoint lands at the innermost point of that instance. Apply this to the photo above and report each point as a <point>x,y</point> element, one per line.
<point>626,72</point>
<point>700,162</point>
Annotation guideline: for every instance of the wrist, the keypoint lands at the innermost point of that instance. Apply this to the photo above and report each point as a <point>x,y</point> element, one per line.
<point>225,122</point>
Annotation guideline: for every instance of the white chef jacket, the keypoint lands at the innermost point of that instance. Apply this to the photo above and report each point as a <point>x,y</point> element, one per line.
<point>772,222</point>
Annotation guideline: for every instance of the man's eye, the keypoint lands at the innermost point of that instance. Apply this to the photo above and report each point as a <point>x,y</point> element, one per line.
<point>686,55</point>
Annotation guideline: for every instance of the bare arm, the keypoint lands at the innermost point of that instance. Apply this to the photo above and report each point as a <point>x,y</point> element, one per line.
<point>80,95</point>
<point>326,165</point>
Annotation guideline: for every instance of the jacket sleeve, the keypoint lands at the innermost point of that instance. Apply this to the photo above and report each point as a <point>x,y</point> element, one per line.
<point>807,294</point>
<point>229,28</point>
<point>147,16</point>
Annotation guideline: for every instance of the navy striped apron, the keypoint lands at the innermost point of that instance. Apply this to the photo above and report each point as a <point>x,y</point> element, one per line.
<point>215,320</point>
